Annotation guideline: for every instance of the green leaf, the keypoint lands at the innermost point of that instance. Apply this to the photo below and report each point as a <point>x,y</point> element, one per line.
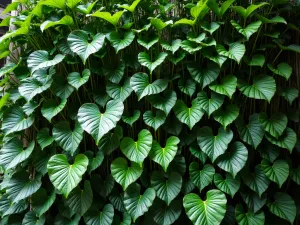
<point>72,3</point>
<point>66,20</point>
<point>229,185</point>
<point>86,8</point>
<point>148,42</point>
<point>94,161</point>
<point>226,87</point>
<point>190,46</point>
<point>43,138</point>
<point>132,7</point>
<point>248,218</point>
<point>295,174</point>
<point>50,108</point>
<point>247,31</point>
<point>166,214</point>
<point>283,206</point>
<point>119,42</point>
<point>257,180</point>
<point>154,121</point>
<point>76,80</point>
<point>276,19</point>
<point>236,51</point>
<point>137,151</point>
<point>289,93</point>
<point>147,61</point>
<point>245,13</point>
<point>31,218</point>
<point>80,43</point>
<point>201,177</point>
<point>159,24</point>
<point>287,140</point>
<point>41,202</point>
<point>30,87</point>
<point>113,19</point>
<point>210,211</point>
<point>131,119</point>
<point>214,145</point>
<point>139,82</point>
<point>219,11</point>
<point>227,116</point>
<point>292,47</point>
<point>253,201</point>
<point>173,47</point>
<point>210,104</point>
<point>198,153</point>
<point>96,123</point>
<point>210,27</point>
<point>80,200</point>
<point>21,31</point>
<point>164,156</point>
<point>251,133</point>
<point>214,56</point>
<point>167,187</point>
<point>275,125</point>
<point>104,217</point>
<point>257,60</point>
<point>234,159</point>
<point>187,86</point>
<point>13,154</point>
<point>10,7</point>
<point>7,68</point>
<point>114,73</point>
<point>30,106</point>
<point>189,116</point>
<point>204,76</point>
<point>200,10</point>
<point>277,172</point>
<point>64,176</point>
<point>193,37</point>
<point>14,119</point>
<point>123,174</point>
<point>283,69</point>
<point>40,59</point>
<point>185,21</point>
<point>54,3</point>
<point>67,138</point>
<point>164,102</point>
<point>21,187</point>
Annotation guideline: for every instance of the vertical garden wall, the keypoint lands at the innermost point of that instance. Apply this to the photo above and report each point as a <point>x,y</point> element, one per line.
<point>150,112</point>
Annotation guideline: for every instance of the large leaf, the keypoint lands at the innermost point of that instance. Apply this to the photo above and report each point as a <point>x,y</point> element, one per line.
<point>50,108</point>
<point>234,159</point>
<point>189,116</point>
<point>147,61</point>
<point>116,91</point>
<point>210,104</point>
<point>210,211</point>
<point>229,185</point>
<point>113,19</point>
<point>96,123</point>
<point>226,87</point>
<point>67,138</point>
<point>252,132</point>
<point>236,51</point>
<point>167,187</point>
<point>80,44</point>
<point>136,203</point>
<point>31,86</point>
<point>66,20</point>
<point>76,80</point>
<point>124,174</point>
<point>64,176</point>
<point>104,217</point>
<point>201,177</point>
<point>164,102</point>
<point>278,171</point>
<point>249,30</point>
<point>119,42</point>
<point>14,119</point>
<point>80,200</point>
<point>263,87</point>
<point>214,145</point>
<point>142,87</point>
<point>137,151</point>
<point>12,153</point>
<point>226,116</point>
<point>283,206</point>
<point>164,156</point>
<point>248,218</point>
<point>275,125</point>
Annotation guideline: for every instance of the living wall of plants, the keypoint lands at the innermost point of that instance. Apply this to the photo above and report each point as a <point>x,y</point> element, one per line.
<point>150,112</point>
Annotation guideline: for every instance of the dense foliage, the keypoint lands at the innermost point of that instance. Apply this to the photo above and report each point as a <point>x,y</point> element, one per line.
<point>150,112</point>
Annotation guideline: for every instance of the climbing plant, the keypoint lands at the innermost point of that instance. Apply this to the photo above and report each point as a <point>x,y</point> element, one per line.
<point>150,112</point>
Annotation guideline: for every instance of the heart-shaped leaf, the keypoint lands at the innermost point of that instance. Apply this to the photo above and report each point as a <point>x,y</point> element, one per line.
<point>66,177</point>
<point>76,80</point>
<point>234,159</point>
<point>67,138</point>
<point>139,82</point>
<point>198,153</point>
<point>96,123</point>
<point>164,156</point>
<point>164,102</point>
<point>159,24</point>
<point>96,217</point>
<point>253,201</point>
<point>119,42</point>
<point>210,27</point>
<point>187,86</point>
<point>114,73</point>
<point>219,11</point>
<point>50,108</point>
<point>189,116</point>
<point>166,214</point>
<point>154,121</point>
<point>113,19</point>
<point>245,13</point>
<point>173,47</point>
<point>123,174</point>
<point>137,151</point>
<point>229,185</point>
<point>79,43</point>
<point>210,211</point>
<point>249,30</point>
<point>201,177</point>
<point>132,7</point>
<point>147,61</point>
<point>283,69</point>
<point>227,116</point>
<point>131,119</point>
<point>43,138</point>
<point>226,87</point>
<point>148,42</point>
<point>111,140</point>
<point>214,145</point>
<point>236,51</point>
<point>116,91</point>
<point>167,187</point>
<point>41,202</point>
<point>277,172</point>
<point>248,218</point>
<point>210,104</point>
<point>94,161</point>
<point>275,125</point>
<point>257,60</point>
<point>289,93</point>
<point>66,20</point>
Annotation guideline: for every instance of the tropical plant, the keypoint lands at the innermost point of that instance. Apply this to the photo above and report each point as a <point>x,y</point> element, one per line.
<point>150,112</point>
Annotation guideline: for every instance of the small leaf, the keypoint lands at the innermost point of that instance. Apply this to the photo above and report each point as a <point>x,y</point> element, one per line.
<point>289,93</point>
<point>43,138</point>
<point>201,177</point>
<point>276,19</point>
<point>283,69</point>
<point>257,60</point>
<point>210,104</point>
<point>131,119</point>
<point>229,185</point>
<point>275,125</point>
<point>236,51</point>
<point>173,47</point>
<point>219,11</point>
<point>277,172</point>
<point>247,31</point>
<point>30,87</point>
<point>210,27</point>
<point>247,12</point>
<point>104,217</point>
<point>132,7</point>
<point>187,86</point>
<point>148,42</point>
<point>7,68</point>
<point>119,42</point>
<point>227,116</point>
<point>41,202</point>
<point>166,214</point>
<point>50,108</point>
<point>248,218</point>
<point>116,91</point>
<point>154,121</point>
<point>113,19</point>
<point>76,80</point>
<point>145,60</point>
<point>159,24</point>
<point>31,218</point>
<point>94,161</point>
<point>66,20</point>
<point>190,46</point>
<point>226,87</point>
<point>165,102</point>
